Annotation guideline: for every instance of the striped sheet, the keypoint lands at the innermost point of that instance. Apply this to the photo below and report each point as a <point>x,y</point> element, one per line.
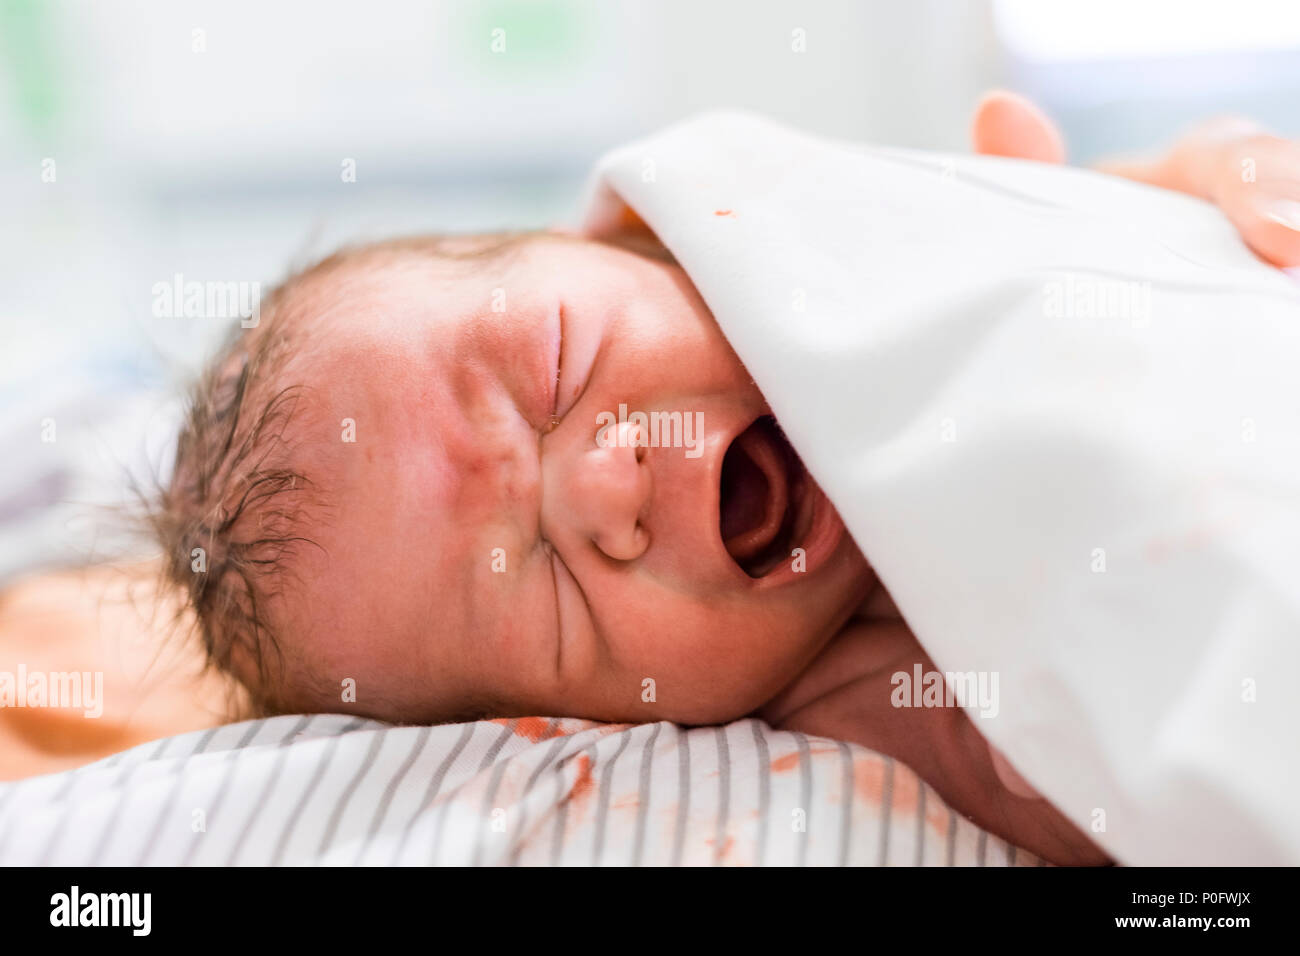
<point>335,790</point>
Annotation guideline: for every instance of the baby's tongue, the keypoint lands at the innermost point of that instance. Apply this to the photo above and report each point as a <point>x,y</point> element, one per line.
<point>754,492</point>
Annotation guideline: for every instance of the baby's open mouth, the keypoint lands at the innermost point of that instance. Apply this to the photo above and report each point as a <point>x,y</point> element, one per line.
<point>763,490</point>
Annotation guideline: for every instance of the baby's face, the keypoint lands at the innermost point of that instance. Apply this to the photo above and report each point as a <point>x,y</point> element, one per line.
<point>494,541</point>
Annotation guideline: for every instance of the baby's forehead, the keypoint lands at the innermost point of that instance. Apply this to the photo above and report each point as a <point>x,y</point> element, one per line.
<point>383,328</point>
<point>388,353</point>
<point>414,301</point>
<point>352,295</point>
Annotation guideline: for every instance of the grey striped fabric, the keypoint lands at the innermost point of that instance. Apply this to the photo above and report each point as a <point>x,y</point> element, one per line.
<point>336,790</point>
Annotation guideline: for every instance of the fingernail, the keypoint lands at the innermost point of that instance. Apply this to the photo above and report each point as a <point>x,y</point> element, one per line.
<point>1283,211</point>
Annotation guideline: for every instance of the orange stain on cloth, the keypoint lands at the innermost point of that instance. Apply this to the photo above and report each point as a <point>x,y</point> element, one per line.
<point>790,761</point>
<point>583,784</point>
<point>869,785</point>
<point>905,791</point>
<point>728,845</point>
<point>538,729</point>
<point>535,729</point>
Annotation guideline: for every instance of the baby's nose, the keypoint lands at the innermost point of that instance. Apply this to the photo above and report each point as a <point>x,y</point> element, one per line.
<point>603,493</point>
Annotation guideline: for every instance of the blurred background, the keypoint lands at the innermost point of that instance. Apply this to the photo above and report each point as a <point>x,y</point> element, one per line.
<point>142,139</point>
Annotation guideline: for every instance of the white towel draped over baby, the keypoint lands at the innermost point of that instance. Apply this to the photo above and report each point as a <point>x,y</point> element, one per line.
<point>1060,414</point>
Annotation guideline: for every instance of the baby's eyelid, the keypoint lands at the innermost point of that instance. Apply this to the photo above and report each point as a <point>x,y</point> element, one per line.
<point>578,354</point>
<point>559,369</point>
<point>559,613</point>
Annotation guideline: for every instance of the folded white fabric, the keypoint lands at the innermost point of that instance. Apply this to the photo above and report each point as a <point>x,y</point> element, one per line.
<point>1060,414</point>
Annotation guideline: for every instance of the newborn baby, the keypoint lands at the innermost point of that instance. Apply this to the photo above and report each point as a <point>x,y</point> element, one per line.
<point>417,498</point>
<point>414,483</point>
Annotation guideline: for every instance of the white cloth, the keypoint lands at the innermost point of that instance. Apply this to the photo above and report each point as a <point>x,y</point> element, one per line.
<point>1101,504</point>
<point>332,790</point>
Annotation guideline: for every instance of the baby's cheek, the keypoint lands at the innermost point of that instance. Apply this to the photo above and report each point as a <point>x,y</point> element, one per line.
<point>727,665</point>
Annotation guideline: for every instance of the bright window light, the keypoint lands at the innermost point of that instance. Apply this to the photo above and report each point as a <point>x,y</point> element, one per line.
<point>1106,29</point>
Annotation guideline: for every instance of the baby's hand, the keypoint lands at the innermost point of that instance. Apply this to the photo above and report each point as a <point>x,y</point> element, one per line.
<point>1252,175</point>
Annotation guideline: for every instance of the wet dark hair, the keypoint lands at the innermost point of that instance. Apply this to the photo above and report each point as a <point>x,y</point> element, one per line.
<point>236,509</point>
<point>228,521</point>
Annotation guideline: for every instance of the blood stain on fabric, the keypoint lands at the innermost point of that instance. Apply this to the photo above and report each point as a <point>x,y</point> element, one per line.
<point>786,763</point>
<point>790,761</point>
<point>725,213</point>
<point>727,846</point>
<point>534,728</point>
<point>583,785</point>
<point>869,783</point>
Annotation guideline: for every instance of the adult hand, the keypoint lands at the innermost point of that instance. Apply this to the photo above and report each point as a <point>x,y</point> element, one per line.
<point>1249,173</point>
